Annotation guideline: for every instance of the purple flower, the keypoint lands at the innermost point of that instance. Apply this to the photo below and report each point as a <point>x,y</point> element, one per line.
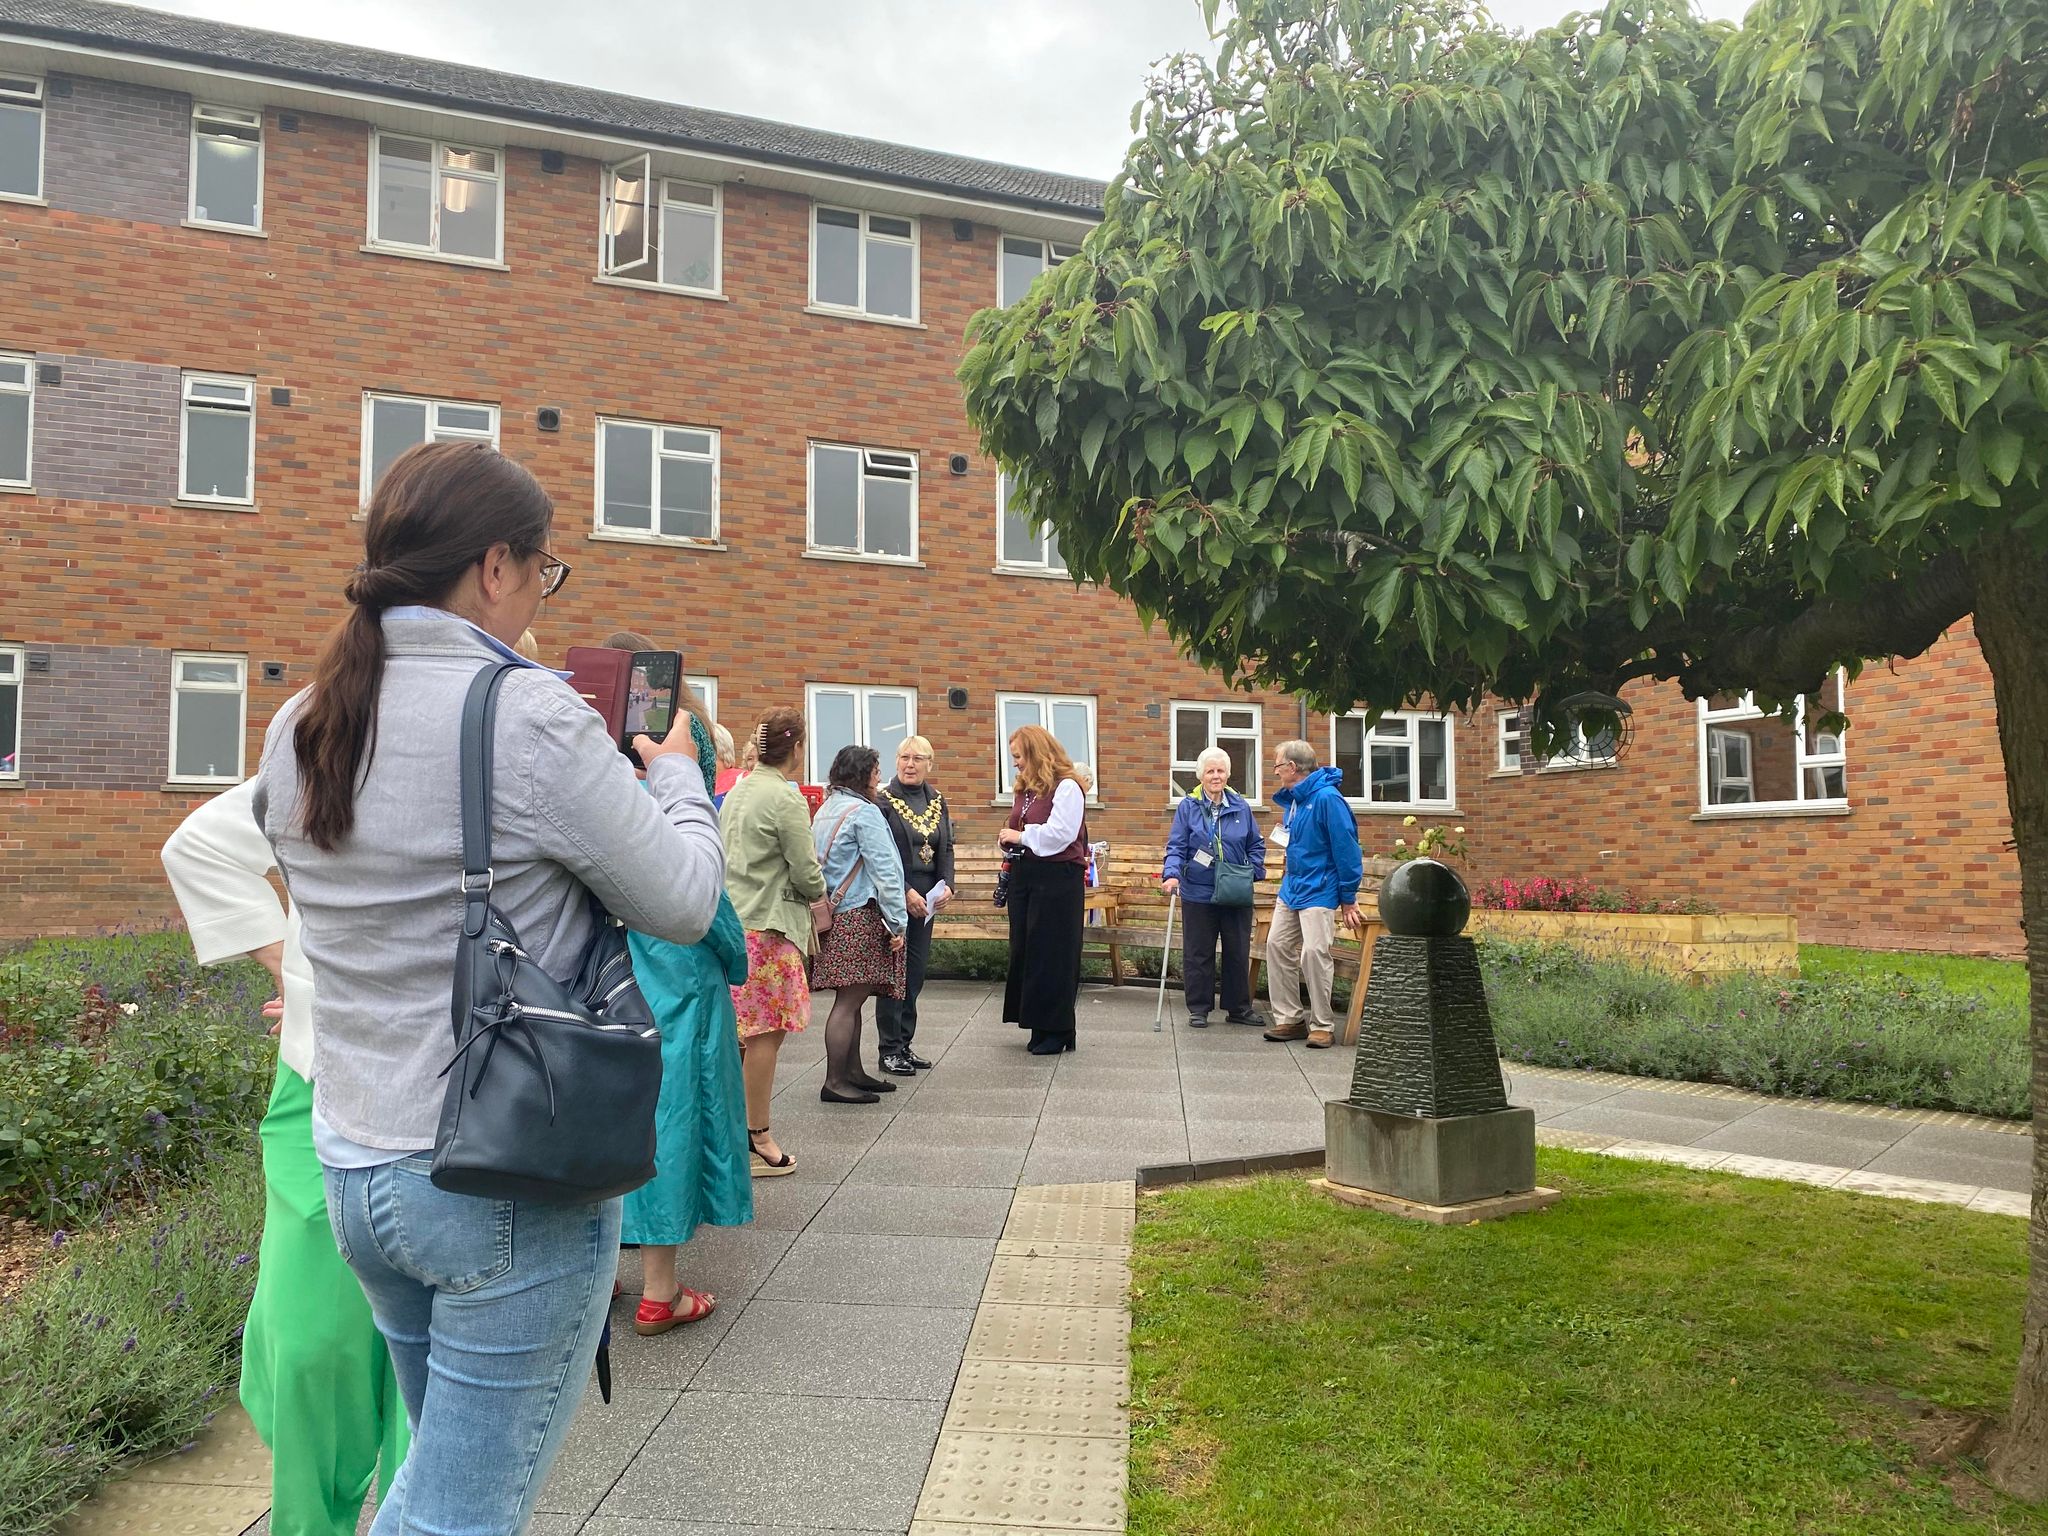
<point>240,1260</point>
<point>128,1344</point>
<point>58,1238</point>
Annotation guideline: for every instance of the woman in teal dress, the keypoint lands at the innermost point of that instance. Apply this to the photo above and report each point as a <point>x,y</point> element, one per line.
<point>701,1174</point>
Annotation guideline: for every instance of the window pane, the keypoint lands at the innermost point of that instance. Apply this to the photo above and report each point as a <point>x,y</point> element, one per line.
<point>227,176</point>
<point>395,425</point>
<point>838,258</point>
<point>1190,734</point>
<point>1054,560</point>
<point>1390,777</point>
<point>1350,754</point>
<point>195,671</point>
<point>676,440</point>
<point>217,452</point>
<point>689,252</point>
<point>1729,777</point>
<point>835,491</point>
<point>209,744</point>
<point>692,194</point>
<point>889,279</point>
<point>888,723</point>
<point>1018,713</point>
<point>469,217</point>
<point>469,160</point>
<point>1243,765</point>
<point>21,151</point>
<point>628,476</point>
<point>208,389</point>
<point>10,743</point>
<point>1433,758</point>
<point>895,229</point>
<point>1016,544</point>
<point>686,510</point>
<point>1023,260</point>
<point>1238,720</point>
<point>888,531</point>
<point>405,195</point>
<point>14,412</point>
<point>627,223</point>
<point>833,725</point>
<point>1070,729</point>
<point>462,421</point>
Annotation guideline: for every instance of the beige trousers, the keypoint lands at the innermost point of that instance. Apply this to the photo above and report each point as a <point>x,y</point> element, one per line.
<point>1298,959</point>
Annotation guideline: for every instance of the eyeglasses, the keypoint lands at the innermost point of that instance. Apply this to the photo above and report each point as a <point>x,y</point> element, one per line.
<point>554,574</point>
<point>913,757</point>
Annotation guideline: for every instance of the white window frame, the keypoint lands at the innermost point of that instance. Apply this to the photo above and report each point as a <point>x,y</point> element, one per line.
<point>242,117</point>
<point>179,688</point>
<point>864,723</point>
<point>860,307</point>
<point>707,690</point>
<point>1050,254</point>
<point>1005,788</point>
<point>29,91</point>
<point>13,674</point>
<point>27,388</point>
<point>187,404</point>
<point>435,433</point>
<point>438,148</point>
<point>1521,760</point>
<point>1712,737</point>
<point>867,456</point>
<point>646,272</point>
<point>1043,565</point>
<point>1411,718</point>
<point>652,534</point>
<point>1217,734</point>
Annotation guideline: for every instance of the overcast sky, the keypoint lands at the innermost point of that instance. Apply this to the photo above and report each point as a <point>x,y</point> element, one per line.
<point>1044,83</point>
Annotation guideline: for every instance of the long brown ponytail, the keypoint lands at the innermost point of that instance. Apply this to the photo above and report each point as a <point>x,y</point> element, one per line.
<point>440,508</point>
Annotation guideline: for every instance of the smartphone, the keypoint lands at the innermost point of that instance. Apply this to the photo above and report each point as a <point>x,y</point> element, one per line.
<point>635,691</point>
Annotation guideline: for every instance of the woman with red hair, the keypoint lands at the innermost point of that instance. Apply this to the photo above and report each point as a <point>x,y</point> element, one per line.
<point>1048,830</point>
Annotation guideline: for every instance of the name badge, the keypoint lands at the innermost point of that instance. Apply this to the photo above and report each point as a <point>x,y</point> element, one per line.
<point>1203,858</point>
<point>1279,837</point>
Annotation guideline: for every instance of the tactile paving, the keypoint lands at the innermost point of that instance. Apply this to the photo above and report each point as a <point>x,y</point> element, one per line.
<point>1117,1192</point>
<point>1068,1222</point>
<point>1108,1253</point>
<point>228,1454</point>
<point>1019,1397</point>
<point>1055,1335</point>
<point>131,1508</point>
<point>1778,1168</point>
<point>1047,1282</point>
<point>1039,1482</point>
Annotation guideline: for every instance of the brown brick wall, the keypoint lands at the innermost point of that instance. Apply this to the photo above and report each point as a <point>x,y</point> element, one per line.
<point>308,310</point>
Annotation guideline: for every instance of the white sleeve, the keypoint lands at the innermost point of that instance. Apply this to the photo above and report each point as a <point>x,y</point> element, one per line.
<point>1059,829</point>
<point>218,860</point>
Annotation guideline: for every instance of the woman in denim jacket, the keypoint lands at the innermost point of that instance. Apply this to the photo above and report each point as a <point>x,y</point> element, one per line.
<point>1216,817</point>
<point>861,954</point>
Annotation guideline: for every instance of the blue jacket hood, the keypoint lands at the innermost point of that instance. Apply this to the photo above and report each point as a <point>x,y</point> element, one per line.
<point>1309,786</point>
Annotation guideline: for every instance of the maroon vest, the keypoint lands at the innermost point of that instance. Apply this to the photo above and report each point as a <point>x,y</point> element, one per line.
<point>1036,811</point>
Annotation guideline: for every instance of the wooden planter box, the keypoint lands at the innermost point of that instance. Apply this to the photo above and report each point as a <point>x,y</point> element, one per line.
<point>1710,944</point>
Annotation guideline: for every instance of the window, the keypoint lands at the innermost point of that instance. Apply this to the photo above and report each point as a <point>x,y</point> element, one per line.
<point>209,717</point>
<point>1023,260</point>
<point>865,262</point>
<point>707,691</point>
<point>855,717</point>
<point>217,439</point>
<point>1233,727</point>
<point>1758,762</point>
<point>1071,721</point>
<point>227,167</point>
<point>1404,761</point>
<point>21,137</point>
<point>1019,543</point>
<point>658,231</point>
<point>17,417</point>
<point>1516,756</point>
<point>394,423</point>
<point>656,481</point>
<point>863,502</point>
<point>430,196</point>
<point>11,668</point>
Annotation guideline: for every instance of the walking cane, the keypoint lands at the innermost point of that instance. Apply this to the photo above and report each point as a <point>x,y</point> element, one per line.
<point>1159,1014</point>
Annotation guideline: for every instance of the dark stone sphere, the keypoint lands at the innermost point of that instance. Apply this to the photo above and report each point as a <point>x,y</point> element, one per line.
<point>1426,900</point>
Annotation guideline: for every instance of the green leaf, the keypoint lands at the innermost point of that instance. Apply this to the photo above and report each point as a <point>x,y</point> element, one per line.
<point>1384,602</point>
<point>1091,440</point>
<point>2001,449</point>
<point>1199,451</point>
<point>1159,444</point>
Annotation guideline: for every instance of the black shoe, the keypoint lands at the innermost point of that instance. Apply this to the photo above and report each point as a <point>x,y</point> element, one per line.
<point>1198,1021</point>
<point>898,1064</point>
<point>874,1084</point>
<point>1255,1020</point>
<point>1046,1047</point>
<point>827,1096</point>
<point>916,1060</point>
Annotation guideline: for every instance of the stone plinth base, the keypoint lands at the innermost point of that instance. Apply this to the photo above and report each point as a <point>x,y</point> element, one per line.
<point>1441,1215</point>
<point>1430,1161</point>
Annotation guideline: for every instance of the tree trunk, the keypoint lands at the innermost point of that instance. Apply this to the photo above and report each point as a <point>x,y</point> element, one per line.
<point>2012,628</point>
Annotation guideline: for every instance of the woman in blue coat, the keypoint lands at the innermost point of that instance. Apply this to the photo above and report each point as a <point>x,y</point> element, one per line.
<point>1214,825</point>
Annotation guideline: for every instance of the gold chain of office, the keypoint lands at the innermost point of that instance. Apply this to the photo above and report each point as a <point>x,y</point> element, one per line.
<point>926,826</point>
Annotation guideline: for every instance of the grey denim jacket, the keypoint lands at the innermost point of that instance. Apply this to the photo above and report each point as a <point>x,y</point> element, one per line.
<point>381,913</point>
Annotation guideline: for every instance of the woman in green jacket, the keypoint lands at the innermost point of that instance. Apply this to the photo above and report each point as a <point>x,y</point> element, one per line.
<point>772,876</point>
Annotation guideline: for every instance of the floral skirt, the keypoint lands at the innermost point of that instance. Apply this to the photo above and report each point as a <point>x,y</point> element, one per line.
<point>776,994</point>
<point>855,952</point>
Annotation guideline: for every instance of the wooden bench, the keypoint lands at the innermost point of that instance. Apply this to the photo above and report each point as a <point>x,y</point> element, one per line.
<point>973,914</point>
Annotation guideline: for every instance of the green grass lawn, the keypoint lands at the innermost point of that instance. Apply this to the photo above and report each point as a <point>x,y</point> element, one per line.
<point>2003,982</point>
<point>1664,1352</point>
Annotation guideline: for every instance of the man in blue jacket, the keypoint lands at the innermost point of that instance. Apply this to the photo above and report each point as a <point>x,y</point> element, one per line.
<point>1320,838</point>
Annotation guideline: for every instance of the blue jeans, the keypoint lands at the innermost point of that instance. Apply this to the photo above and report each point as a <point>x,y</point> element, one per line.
<point>491,1338</point>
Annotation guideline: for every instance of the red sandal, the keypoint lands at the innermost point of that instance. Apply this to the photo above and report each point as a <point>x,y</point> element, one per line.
<point>660,1316</point>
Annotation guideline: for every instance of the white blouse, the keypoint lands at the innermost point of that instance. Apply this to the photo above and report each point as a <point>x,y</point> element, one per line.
<point>1057,832</point>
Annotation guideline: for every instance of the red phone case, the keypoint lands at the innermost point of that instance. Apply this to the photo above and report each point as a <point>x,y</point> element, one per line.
<point>601,679</point>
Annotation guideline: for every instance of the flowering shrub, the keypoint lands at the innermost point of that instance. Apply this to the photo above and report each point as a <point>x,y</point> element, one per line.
<point>1543,894</point>
<point>1434,843</point>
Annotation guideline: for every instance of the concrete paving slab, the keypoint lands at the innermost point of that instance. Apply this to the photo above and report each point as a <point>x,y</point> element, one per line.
<point>668,1361</point>
<point>787,1205</point>
<point>1072,1165</point>
<point>1041,1281</point>
<point>1656,1101</point>
<point>1892,1186</point>
<point>1836,1140</point>
<point>730,1262</point>
<point>1068,1222</point>
<point>831,1349</point>
<point>863,1267</point>
<point>1005,1131</point>
<point>1820,1175</point>
<point>1059,1482</point>
<point>605,1525</point>
<point>1664,1152</point>
<point>1023,1397</point>
<point>1635,1125</point>
<point>753,1459</point>
<point>1122,1132</point>
<point>957,1167</point>
<point>603,1440</point>
<point>1960,1157</point>
<point>1243,1138</point>
<point>1996,1202</point>
<point>1051,1335</point>
<point>948,1097</point>
<point>912,1210</point>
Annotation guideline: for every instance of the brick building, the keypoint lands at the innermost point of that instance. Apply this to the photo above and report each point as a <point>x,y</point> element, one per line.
<point>239,272</point>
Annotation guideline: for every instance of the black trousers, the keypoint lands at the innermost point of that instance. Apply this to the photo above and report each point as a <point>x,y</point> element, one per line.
<point>1048,900</point>
<point>1206,923</point>
<point>896,1023</point>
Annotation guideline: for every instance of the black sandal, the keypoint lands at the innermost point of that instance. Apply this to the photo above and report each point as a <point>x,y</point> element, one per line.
<point>760,1164</point>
